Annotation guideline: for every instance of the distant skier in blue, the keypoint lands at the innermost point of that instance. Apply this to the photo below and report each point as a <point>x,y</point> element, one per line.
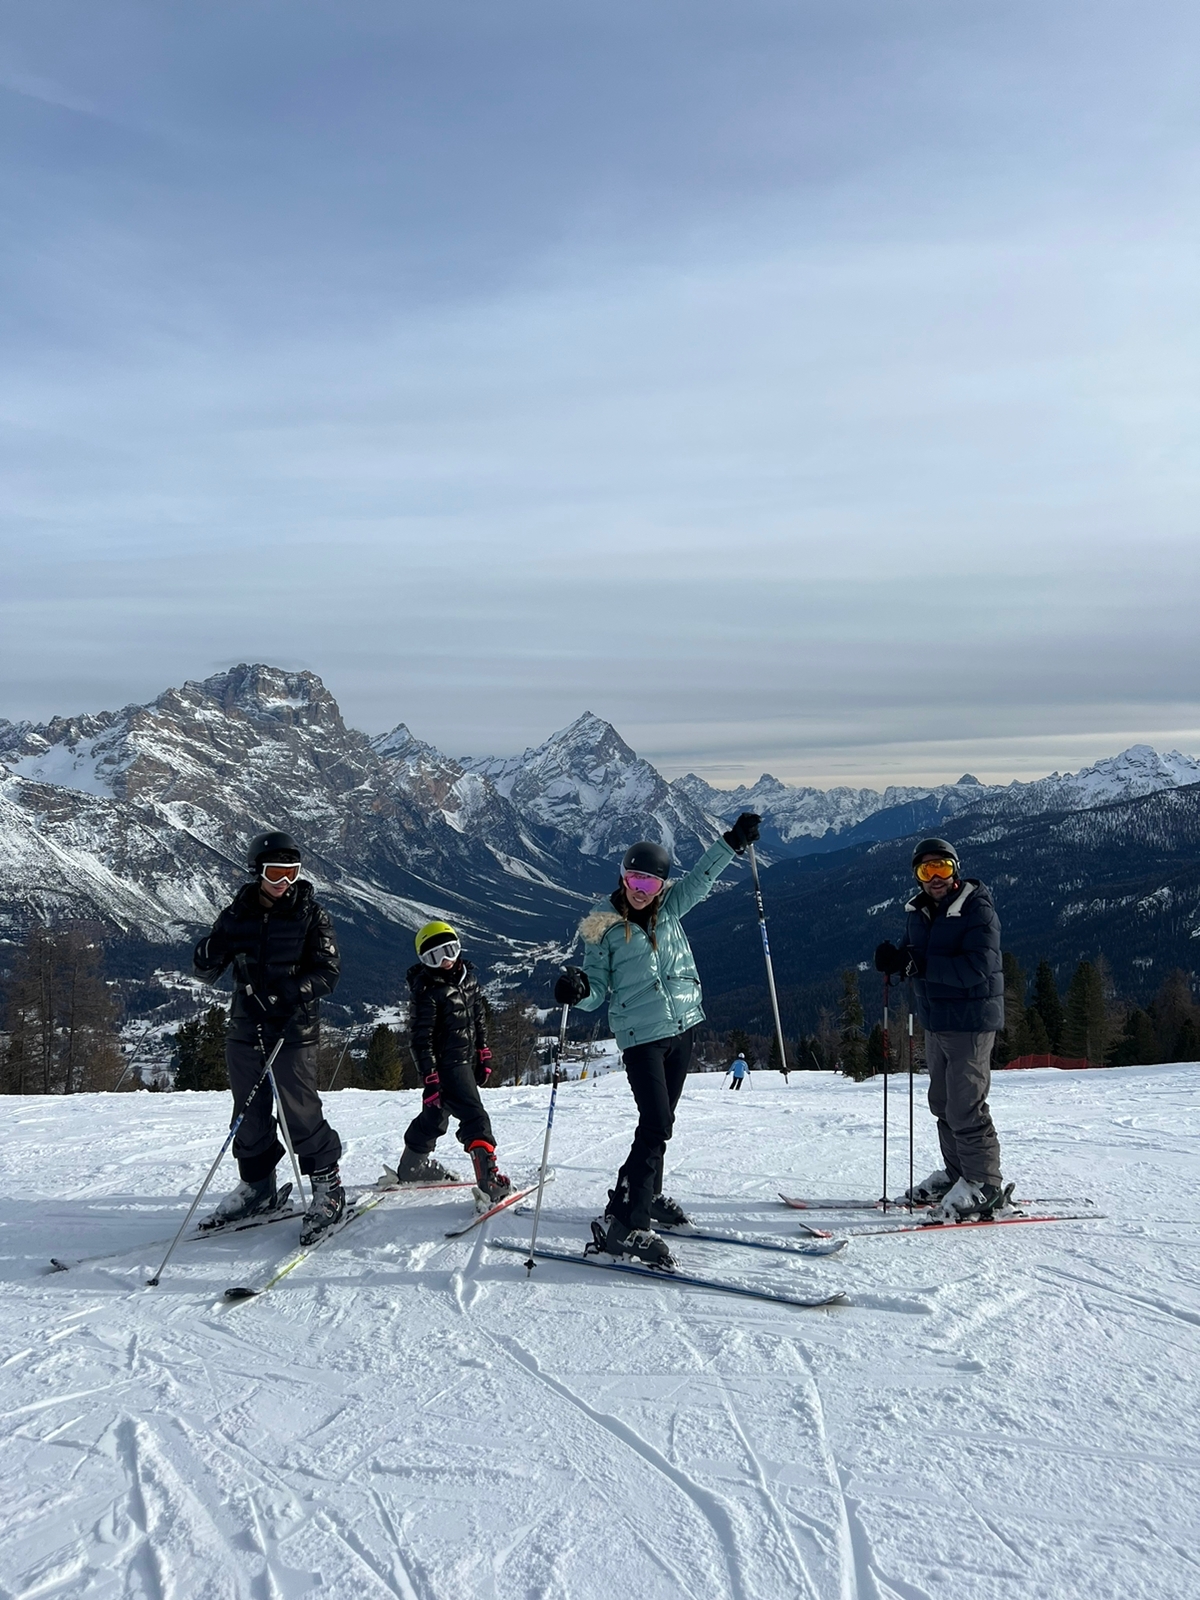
<point>738,1071</point>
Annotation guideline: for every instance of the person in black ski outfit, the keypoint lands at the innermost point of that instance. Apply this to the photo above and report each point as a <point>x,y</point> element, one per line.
<point>448,1033</point>
<point>951,952</point>
<point>281,945</point>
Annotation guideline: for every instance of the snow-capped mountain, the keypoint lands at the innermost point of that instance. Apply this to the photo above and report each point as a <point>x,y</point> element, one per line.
<point>139,819</point>
<point>804,821</point>
<point>587,785</point>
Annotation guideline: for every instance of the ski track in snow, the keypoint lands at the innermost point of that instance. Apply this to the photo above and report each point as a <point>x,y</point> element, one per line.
<point>1009,1416</point>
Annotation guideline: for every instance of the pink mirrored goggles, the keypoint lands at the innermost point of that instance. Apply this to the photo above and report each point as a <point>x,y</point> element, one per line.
<point>643,882</point>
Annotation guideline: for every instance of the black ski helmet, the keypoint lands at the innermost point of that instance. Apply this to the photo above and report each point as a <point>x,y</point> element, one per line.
<point>646,856</point>
<point>935,847</point>
<point>274,846</point>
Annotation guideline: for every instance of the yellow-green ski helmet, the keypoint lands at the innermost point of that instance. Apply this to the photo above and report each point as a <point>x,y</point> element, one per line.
<point>437,942</point>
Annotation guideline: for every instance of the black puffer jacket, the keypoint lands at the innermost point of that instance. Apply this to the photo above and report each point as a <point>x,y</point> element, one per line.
<point>446,1020</point>
<point>286,953</point>
<point>958,984</point>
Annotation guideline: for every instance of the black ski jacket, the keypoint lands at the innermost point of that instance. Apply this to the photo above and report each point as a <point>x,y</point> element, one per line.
<point>958,974</point>
<point>285,957</point>
<point>446,1019</point>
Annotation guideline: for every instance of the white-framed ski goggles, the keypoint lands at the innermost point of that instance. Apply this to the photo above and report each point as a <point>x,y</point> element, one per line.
<point>279,871</point>
<point>450,951</point>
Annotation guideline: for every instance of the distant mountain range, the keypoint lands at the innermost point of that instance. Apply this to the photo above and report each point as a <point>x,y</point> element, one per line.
<point>1121,879</point>
<point>138,819</point>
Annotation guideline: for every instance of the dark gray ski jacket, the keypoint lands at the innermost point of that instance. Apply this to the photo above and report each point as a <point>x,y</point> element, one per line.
<point>958,974</point>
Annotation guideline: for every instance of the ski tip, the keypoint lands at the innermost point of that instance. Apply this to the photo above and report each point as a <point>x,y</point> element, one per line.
<point>240,1293</point>
<point>58,1266</point>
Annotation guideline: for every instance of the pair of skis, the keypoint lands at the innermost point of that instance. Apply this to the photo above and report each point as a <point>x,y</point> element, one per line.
<point>359,1207</point>
<point>928,1225</point>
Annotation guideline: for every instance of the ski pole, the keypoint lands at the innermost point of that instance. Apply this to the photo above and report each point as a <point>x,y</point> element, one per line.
<point>910,1105</point>
<point>887,990</point>
<point>338,1068</point>
<point>554,1081</point>
<point>152,1283</point>
<point>762,928</point>
<point>281,1118</point>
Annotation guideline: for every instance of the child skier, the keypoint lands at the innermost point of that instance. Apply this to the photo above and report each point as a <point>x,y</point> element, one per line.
<point>446,1027</point>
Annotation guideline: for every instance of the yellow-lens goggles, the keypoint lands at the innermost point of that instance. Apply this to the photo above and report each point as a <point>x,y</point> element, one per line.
<point>927,871</point>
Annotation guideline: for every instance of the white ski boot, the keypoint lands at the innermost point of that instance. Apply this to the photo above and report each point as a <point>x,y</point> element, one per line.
<point>930,1189</point>
<point>971,1202</point>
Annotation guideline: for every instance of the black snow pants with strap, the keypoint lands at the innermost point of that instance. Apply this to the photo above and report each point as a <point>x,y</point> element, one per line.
<point>656,1072</point>
<point>257,1147</point>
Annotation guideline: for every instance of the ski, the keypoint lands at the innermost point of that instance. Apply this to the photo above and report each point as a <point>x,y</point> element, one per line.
<point>281,1213</point>
<point>662,1275</point>
<point>929,1226</point>
<point>501,1205</point>
<point>354,1209</point>
<point>918,1205</point>
<point>827,1247</point>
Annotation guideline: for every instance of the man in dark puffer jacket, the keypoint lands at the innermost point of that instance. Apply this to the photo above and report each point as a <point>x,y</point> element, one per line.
<point>447,1029</point>
<point>281,945</point>
<point>951,951</point>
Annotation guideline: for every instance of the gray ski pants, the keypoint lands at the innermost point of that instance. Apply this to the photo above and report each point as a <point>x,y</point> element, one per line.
<point>960,1075</point>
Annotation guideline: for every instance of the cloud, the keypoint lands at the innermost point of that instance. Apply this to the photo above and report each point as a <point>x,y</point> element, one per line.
<point>809,390</point>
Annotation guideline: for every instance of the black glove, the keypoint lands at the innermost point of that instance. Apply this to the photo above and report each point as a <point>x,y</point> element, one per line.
<point>890,960</point>
<point>572,987</point>
<point>743,832</point>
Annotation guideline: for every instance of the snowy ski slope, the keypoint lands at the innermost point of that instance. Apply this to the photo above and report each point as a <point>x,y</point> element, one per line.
<point>997,1416</point>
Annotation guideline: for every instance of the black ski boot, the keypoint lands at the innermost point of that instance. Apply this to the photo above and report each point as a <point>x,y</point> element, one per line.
<point>246,1201</point>
<point>327,1208</point>
<point>613,1238</point>
<point>490,1182</point>
<point>416,1168</point>
<point>668,1213</point>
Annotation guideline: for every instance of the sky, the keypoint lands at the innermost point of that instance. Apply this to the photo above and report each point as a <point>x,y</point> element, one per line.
<point>803,387</point>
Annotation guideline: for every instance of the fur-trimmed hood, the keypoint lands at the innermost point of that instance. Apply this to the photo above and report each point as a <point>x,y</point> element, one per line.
<point>597,923</point>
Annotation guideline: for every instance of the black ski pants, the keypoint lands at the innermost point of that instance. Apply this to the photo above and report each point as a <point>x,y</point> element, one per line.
<point>257,1147</point>
<point>656,1072</point>
<point>450,1091</point>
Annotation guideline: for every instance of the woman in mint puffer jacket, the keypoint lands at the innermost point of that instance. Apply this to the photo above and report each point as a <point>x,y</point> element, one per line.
<point>637,958</point>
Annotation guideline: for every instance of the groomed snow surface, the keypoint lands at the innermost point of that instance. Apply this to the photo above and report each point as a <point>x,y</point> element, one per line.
<point>999,1415</point>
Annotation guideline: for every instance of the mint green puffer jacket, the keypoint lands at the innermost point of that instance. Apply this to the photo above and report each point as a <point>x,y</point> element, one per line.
<point>651,994</point>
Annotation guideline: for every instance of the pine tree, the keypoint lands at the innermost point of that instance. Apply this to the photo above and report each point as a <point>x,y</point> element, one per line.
<point>1047,1003</point>
<point>1172,1009</point>
<point>740,1044</point>
<point>1085,1020</point>
<point>384,1066</point>
<point>200,1052</point>
<point>876,1056</point>
<point>61,1016</point>
<point>1137,1044</point>
<point>1015,1038</point>
<point>852,1047</point>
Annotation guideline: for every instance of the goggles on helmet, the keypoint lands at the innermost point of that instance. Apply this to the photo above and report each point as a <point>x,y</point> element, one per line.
<point>643,882</point>
<point>279,871</point>
<point>928,871</point>
<point>450,951</point>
